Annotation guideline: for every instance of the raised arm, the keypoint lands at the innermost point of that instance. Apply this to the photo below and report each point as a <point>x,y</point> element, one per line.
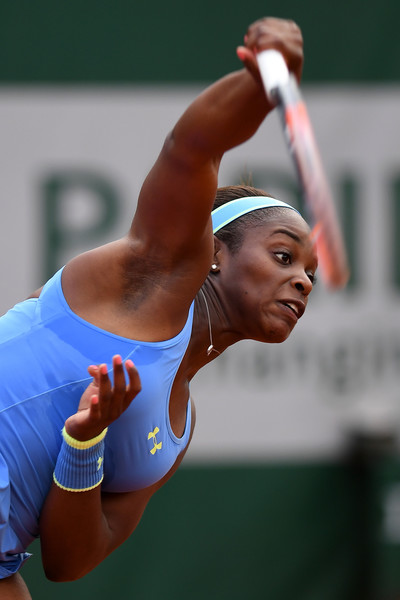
<point>176,198</point>
<point>167,254</point>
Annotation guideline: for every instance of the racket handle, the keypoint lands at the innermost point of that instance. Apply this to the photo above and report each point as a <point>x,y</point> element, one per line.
<point>274,72</point>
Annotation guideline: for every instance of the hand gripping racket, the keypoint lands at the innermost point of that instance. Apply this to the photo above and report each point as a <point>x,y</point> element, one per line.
<point>282,89</point>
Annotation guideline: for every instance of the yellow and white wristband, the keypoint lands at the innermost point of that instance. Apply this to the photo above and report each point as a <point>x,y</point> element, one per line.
<point>79,466</point>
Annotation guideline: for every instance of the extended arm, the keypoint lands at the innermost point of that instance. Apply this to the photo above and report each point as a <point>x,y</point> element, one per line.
<point>167,254</point>
<point>176,198</point>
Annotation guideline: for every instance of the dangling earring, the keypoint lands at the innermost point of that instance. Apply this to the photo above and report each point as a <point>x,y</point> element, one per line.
<point>211,346</point>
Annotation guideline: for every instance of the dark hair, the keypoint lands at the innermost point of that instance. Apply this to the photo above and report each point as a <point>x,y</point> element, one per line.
<point>232,234</point>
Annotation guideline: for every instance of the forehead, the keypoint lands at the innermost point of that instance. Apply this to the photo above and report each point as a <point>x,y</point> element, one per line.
<point>287,222</point>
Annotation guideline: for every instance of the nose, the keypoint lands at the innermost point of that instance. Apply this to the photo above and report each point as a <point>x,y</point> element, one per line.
<point>302,283</point>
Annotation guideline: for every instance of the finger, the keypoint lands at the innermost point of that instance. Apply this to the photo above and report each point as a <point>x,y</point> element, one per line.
<point>95,408</point>
<point>135,385</point>
<point>244,54</point>
<point>249,61</point>
<point>104,384</point>
<point>93,371</point>
<point>273,31</point>
<point>119,377</point>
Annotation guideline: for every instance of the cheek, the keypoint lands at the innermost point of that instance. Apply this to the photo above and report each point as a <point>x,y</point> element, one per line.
<point>254,277</point>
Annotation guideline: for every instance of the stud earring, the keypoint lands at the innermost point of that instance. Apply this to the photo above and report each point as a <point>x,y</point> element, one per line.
<point>214,267</point>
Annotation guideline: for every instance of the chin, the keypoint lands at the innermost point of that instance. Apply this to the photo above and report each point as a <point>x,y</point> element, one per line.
<point>277,336</point>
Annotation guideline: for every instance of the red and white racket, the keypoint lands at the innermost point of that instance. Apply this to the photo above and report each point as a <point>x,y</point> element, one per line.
<point>282,89</point>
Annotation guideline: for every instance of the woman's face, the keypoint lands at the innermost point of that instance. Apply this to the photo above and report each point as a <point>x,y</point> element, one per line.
<point>268,281</point>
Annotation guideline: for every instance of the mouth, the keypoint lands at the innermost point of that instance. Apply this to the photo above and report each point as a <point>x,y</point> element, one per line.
<point>296,307</point>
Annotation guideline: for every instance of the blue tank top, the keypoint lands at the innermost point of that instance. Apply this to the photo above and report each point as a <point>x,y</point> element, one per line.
<point>45,350</point>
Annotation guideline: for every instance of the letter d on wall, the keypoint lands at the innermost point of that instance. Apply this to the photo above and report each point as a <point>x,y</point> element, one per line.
<point>79,209</point>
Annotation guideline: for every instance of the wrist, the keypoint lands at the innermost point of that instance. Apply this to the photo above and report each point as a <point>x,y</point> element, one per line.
<point>82,444</point>
<point>79,466</point>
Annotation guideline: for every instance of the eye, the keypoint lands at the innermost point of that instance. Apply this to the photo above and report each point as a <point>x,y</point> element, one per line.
<point>284,257</point>
<point>312,277</point>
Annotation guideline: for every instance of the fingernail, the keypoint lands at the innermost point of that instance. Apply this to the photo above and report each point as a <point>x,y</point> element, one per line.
<point>103,369</point>
<point>117,359</point>
<point>240,52</point>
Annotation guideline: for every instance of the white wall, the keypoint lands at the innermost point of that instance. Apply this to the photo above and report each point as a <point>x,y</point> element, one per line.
<point>341,365</point>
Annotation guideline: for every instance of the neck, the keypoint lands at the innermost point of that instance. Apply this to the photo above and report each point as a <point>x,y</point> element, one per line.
<point>211,334</point>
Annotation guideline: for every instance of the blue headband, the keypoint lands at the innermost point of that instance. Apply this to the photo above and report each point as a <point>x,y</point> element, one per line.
<point>234,209</point>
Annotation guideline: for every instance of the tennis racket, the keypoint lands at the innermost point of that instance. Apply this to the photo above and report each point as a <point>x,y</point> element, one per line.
<point>282,89</point>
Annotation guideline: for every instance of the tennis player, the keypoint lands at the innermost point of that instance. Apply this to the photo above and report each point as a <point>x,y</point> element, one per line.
<point>81,453</point>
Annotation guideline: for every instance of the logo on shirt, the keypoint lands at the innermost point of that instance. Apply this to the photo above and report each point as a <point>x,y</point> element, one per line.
<point>152,435</point>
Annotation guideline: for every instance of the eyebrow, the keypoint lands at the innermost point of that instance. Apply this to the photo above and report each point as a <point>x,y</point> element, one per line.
<point>294,236</point>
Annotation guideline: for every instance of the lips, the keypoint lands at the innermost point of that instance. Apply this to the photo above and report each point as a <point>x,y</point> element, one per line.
<point>297,307</point>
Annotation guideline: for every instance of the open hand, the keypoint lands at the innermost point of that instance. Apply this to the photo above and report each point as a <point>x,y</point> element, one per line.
<point>101,404</point>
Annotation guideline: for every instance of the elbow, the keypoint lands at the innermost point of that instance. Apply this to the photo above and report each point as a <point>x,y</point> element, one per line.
<point>65,563</point>
<point>55,577</point>
<point>61,575</point>
<point>59,578</point>
<point>63,572</point>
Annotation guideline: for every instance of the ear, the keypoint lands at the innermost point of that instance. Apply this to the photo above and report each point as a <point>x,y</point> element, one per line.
<point>215,265</point>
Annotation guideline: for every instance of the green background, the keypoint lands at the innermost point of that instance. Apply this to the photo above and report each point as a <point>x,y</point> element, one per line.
<point>277,531</point>
<point>310,532</point>
<point>122,41</point>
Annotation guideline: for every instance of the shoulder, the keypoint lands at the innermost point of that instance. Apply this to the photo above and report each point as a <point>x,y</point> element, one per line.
<point>121,288</point>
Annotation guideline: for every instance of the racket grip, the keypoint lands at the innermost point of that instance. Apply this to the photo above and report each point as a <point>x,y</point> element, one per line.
<point>274,72</point>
